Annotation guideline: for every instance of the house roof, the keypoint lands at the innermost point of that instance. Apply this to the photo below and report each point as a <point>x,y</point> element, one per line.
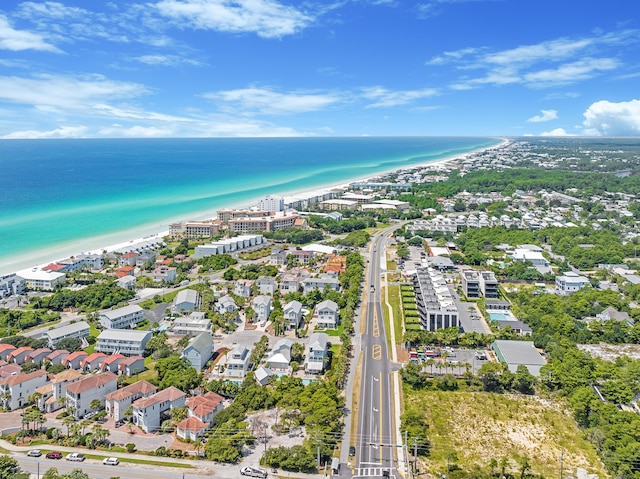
<point>38,352</point>
<point>200,342</point>
<point>91,358</point>
<point>44,390</point>
<point>22,377</point>
<point>294,305</point>
<point>9,369</point>
<point>262,299</point>
<point>112,358</point>
<point>65,376</point>
<point>318,341</point>
<point>74,356</point>
<point>141,387</point>
<point>91,382</point>
<point>16,352</point>
<point>169,394</point>
<point>56,353</point>
<point>130,361</point>
<point>187,296</point>
<point>6,347</point>
<point>124,334</point>
<point>68,329</point>
<point>327,304</point>
<point>204,404</point>
<point>191,424</point>
<point>116,313</point>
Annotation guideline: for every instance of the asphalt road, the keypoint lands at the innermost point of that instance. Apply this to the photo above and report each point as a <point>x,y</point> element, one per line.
<point>375,448</point>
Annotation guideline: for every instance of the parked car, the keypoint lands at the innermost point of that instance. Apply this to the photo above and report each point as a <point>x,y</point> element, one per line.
<point>352,451</point>
<point>54,455</point>
<point>111,461</point>
<point>75,456</point>
<point>34,453</point>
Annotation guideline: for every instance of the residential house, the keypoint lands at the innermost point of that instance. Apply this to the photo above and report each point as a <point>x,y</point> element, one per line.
<point>74,360</point>
<point>38,356</point>
<point>243,288</point>
<point>263,376</point>
<point>129,343</point>
<point>128,259</point>
<point>16,389</point>
<point>327,314</point>
<point>571,282</point>
<point>164,274</point>
<point>92,362</point>
<point>267,285</point>
<point>57,356</point>
<point>612,313</point>
<point>226,304</point>
<point>9,370</point>
<point>186,300</point>
<point>202,410</point>
<point>262,307</point>
<point>126,317</point>
<point>278,257</point>
<point>199,350</point>
<point>127,282</point>
<point>290,283</point>
<point>280,356</point>
<point>80,394</point>
<point>39,279</point>
<point>148,411</point>
<point>132,365</point>
<point>78,330</point>
<point>301,256</point>
<point>317,353</point>
<point>19,356</point>
<point>238,361</point>
<point>117,402</point>
<point>324,280</point>
<point>517,326</point>
<point>293,317</point>
<point>5,350</point>
<point>112,363</point>
<point>194,324</point>
<point>59,383</point>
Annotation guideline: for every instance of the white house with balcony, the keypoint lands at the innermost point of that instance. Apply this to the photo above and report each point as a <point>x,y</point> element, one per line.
<point>148,411</point>
<point>262,307</point>
<point>80,394</point>
<point>16,389</point>
<point>267,285</point>
<point>317,353</point>
<point>327,314</point>
<point>280,356</point>
<point>117,402</point>
<point>194,324</point>
<point>186,300</point>
<point>199,350</point>
<point>238,361</point>
<point>226,304</point>
<point>293,317</point>
<point>78,330</point>
<point>127,342</point>
<point>571,282</point>
<point>121,318</point>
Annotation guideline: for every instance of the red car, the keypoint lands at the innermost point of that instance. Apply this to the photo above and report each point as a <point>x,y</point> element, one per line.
<point>54,455</point>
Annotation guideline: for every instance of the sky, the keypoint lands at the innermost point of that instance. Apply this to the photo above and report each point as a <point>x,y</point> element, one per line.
<point>261,68</point>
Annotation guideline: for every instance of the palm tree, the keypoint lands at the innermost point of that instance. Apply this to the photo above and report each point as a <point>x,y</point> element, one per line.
<point>197,444</point>
<point>68,421</point>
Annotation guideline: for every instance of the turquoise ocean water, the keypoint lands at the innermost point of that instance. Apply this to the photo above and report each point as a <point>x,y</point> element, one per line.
<point>62,197</point>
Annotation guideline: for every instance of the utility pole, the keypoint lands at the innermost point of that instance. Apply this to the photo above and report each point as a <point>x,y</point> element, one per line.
<point>415,455</point>
<point>561,464</point>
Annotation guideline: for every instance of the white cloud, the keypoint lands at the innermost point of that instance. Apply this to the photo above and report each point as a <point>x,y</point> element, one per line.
<point>547,115</point>
<point>166,60</point>
<point>383,98</point>
<point>266,101</point>
<point>137,114</point>
<point>62,132</point>
<point>613,119</point>
<point>18,40</point>
<point>570,72</point>
<point>66,92</point>
<point>556,132</point>
<point>136,131</point>
<point>266,18</point>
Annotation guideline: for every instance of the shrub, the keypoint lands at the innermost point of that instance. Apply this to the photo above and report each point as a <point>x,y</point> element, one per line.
<point>130,447</point>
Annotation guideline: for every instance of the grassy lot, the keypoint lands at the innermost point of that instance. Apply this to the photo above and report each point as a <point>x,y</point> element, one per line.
<point>331,332</point>
<point>133,460</point>
<point>479,426</point>
<point>394,301</point>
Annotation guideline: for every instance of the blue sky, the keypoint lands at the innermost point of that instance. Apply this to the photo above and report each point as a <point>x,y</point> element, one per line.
<point>194,68</point>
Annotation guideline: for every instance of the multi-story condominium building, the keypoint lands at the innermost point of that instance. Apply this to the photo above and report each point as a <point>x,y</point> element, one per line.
<point>59,384</point>
<point>269,223</point>
<point>194,324</point>
<point>81,393</point>
<point>436,306</point>
<point>488,284</point>
<point>471,283</point>
<point>12,284</point>
<point>229,215</point>
<point>238,361</point>
<point>195,229</point>
<point>40,279</point>
<point>127,317</point>
<point>228,245</point>
<point>164,273</point>
<point>16,389</point>
<point>317,353</point>
<point>148,411</point>
<point>199,350</point>
<point>127,342</point>
<point>271,203</point>
<point>117,402</point>
<point>243,288</point>
<point>78,330</point>
<point>327,314</point>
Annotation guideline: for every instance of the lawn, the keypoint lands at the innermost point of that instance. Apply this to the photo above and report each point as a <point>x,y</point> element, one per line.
<point>478,426</point>
<point>394,301</point>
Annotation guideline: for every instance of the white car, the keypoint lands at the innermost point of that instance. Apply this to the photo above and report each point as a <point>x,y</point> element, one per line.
<point>75,456</point>
<point>111,461</point>
<point>34,453</point>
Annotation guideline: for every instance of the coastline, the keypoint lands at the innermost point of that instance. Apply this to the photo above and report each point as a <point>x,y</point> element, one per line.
<point>121,239</point>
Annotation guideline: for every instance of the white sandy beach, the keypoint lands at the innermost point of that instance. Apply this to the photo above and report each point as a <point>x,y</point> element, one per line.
<point>122,239</point>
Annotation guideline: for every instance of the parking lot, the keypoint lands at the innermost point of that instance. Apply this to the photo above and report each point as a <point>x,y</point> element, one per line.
<point>457,361</point>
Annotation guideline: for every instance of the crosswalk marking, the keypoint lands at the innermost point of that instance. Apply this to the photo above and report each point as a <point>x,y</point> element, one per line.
<point>371,472</point>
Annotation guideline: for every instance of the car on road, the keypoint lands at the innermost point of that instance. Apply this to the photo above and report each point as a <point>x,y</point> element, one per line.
<point>54,455</point>
<point>352,451</point>
<point>111,461</point>
<point>34,453</point>
<point>75,457</point>
<point>253,472</point>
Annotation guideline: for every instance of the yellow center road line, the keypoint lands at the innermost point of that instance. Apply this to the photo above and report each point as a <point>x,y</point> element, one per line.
<point>376,352</point>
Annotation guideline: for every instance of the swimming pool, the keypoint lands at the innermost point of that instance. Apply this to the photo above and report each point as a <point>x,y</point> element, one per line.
<point>506,316</point>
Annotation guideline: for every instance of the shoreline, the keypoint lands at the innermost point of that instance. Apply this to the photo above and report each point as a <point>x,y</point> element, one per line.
<point>121,239</point>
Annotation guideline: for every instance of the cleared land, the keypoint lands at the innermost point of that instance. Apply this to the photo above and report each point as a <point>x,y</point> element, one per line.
<point>482,426</point>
